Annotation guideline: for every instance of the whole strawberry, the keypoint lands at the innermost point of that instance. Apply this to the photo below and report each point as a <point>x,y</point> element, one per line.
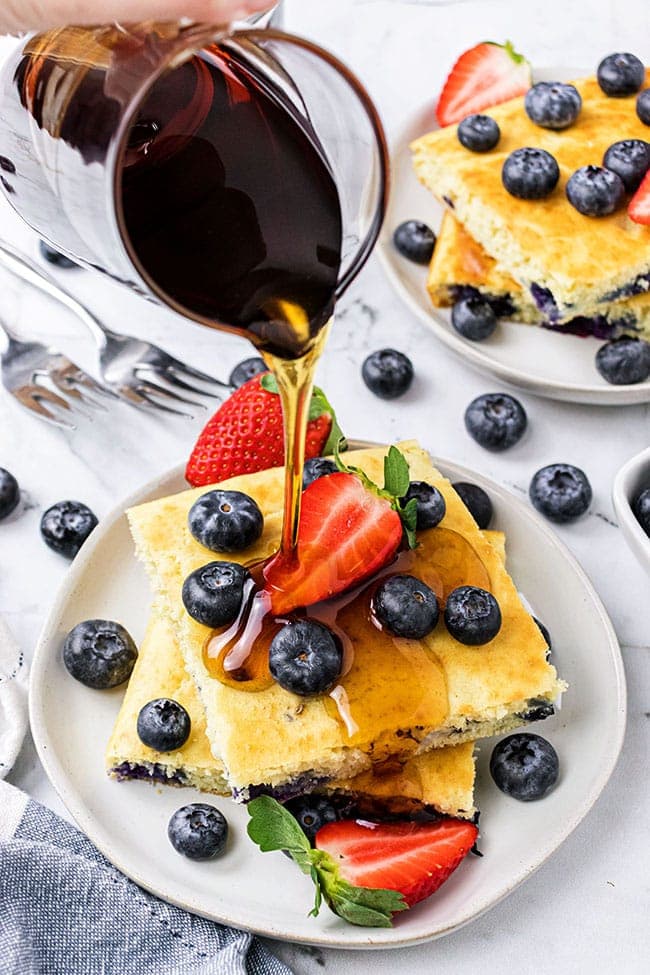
<point>246,433</point>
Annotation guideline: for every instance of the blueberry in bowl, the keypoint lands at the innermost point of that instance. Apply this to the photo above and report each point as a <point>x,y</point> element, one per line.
<point>387,373</point>
<point>473,318</point>
<point>99,653</point>
<point>163,724</point>
<point>431,507</point>
<point>312,812</point>
<point>415,241</point>
<point>405,606</point>
<point>66,526</point>
<point>524,766</point>
<point>476,500</point>
<point>472,615</point>
<point>305,657</point>
<point>496,421</point>
<point>624,361</point>
<point>213,594</point>
<point>552,104</point>
<point>9,493</point>
<point>560,492</point>
<point>225,521</point>
<point>198,831</point>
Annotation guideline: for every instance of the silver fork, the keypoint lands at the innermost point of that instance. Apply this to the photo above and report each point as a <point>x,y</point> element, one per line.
<point>132,368</point>
<point>26,367</point>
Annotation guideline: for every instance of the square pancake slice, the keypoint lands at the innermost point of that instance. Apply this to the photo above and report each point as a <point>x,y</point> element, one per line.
<point>396,697</point>
<point>461,268</point>
<point>441,780</point>
<point>571,264</point>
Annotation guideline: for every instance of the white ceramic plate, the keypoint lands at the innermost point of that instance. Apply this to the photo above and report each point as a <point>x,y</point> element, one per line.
<point>630,480</point>
<point>128,821</point>
<point>528,357</point>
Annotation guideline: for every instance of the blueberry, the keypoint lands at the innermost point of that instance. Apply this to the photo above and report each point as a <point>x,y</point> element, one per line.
<point>312,812</point>
<point>9,493</point>
<point>476,500</point>
<point>225,521</point>
<point>538,709</point>
<point>530,174</point>
<point>213,594</point>
<point>547,636</point>
<point>387,373</point>
<point>630,160</point>
<point>413,239</point>
<point>99,653</point>
<point>480,133</point>
<point>53,256</point>
<point>316,468</point>
<point>552,105</point>
<point>643,106</point>
<point>641,508</point>
<point>595,191</point>
<point>198,831</point>
<point>624,361</point>
<point>66,526</point>
<point>472,615</point>
<point>561,492</point>
<point>246,369</point>
<point>473,318</point>
<point>405,606</point>
<point>431,507</point>
<point>620,75</point>
<point>524,766</point>
<point>163,724</point>
<point>495,420</point>
<point>305,657</point>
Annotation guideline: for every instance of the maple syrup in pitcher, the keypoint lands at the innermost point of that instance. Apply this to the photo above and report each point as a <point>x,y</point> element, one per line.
<point>230,208</point>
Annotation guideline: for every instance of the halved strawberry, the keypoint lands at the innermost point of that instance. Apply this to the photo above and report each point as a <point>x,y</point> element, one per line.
<point>486,75</point>
<point>412,858</point>
<point>639,207</point>
<point>246,433</point>
<point>346,534</point>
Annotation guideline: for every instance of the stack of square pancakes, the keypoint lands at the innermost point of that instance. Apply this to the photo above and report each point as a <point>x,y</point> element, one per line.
<point>398,730</point>
<point>539,261</point>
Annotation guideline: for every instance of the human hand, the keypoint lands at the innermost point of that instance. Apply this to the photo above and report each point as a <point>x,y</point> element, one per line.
<point>20,15</point>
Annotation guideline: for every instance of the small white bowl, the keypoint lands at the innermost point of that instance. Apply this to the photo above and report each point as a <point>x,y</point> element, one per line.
<point>630,480</point>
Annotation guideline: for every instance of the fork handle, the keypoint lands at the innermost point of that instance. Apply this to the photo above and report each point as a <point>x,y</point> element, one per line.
<point>23,267</point>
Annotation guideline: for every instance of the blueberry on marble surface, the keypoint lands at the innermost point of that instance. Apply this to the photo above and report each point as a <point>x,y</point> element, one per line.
<point>624,361</point>
<point>524,766</point>
<point>473,318</point>
<point>620,74</point>
<point>305,657</point>
<point>66,526</point>
<point>629,159</point>
<point>476,500</point>
<point>595,191</point>
<point>312,812</point>
<point>225,521</point>
<point>246,369</point>
<point>198,831</point>
<point>9,493</point>
<point>560,492</point>
<point>316,468</point>
<point>530,174</point>
<point>472,615</point>
<point>163,724</point>
<point>552,105</point>
<point>54,257</point>
<point>643,106</point>
<point>213,594</point>
<point>496,421</point>
<point>431,507</point>
<point>641,509</point>
<point>387,373</point>
<point>479,133</point>
<point>99,653</point>
<point>405,606</point>
<point>415,241</point>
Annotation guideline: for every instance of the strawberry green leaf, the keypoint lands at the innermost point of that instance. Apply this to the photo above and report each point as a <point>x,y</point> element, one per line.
<point>396,473</point>
<point>409,515</point>
<point>319,405</point>
<point>273,827</point>
<point>269,383</point>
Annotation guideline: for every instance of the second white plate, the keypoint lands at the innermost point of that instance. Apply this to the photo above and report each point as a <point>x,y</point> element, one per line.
<point>528,357</point>
<point>128,822</point>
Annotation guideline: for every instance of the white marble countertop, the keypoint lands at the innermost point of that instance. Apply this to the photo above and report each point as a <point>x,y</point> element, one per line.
<point>588,906</point>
